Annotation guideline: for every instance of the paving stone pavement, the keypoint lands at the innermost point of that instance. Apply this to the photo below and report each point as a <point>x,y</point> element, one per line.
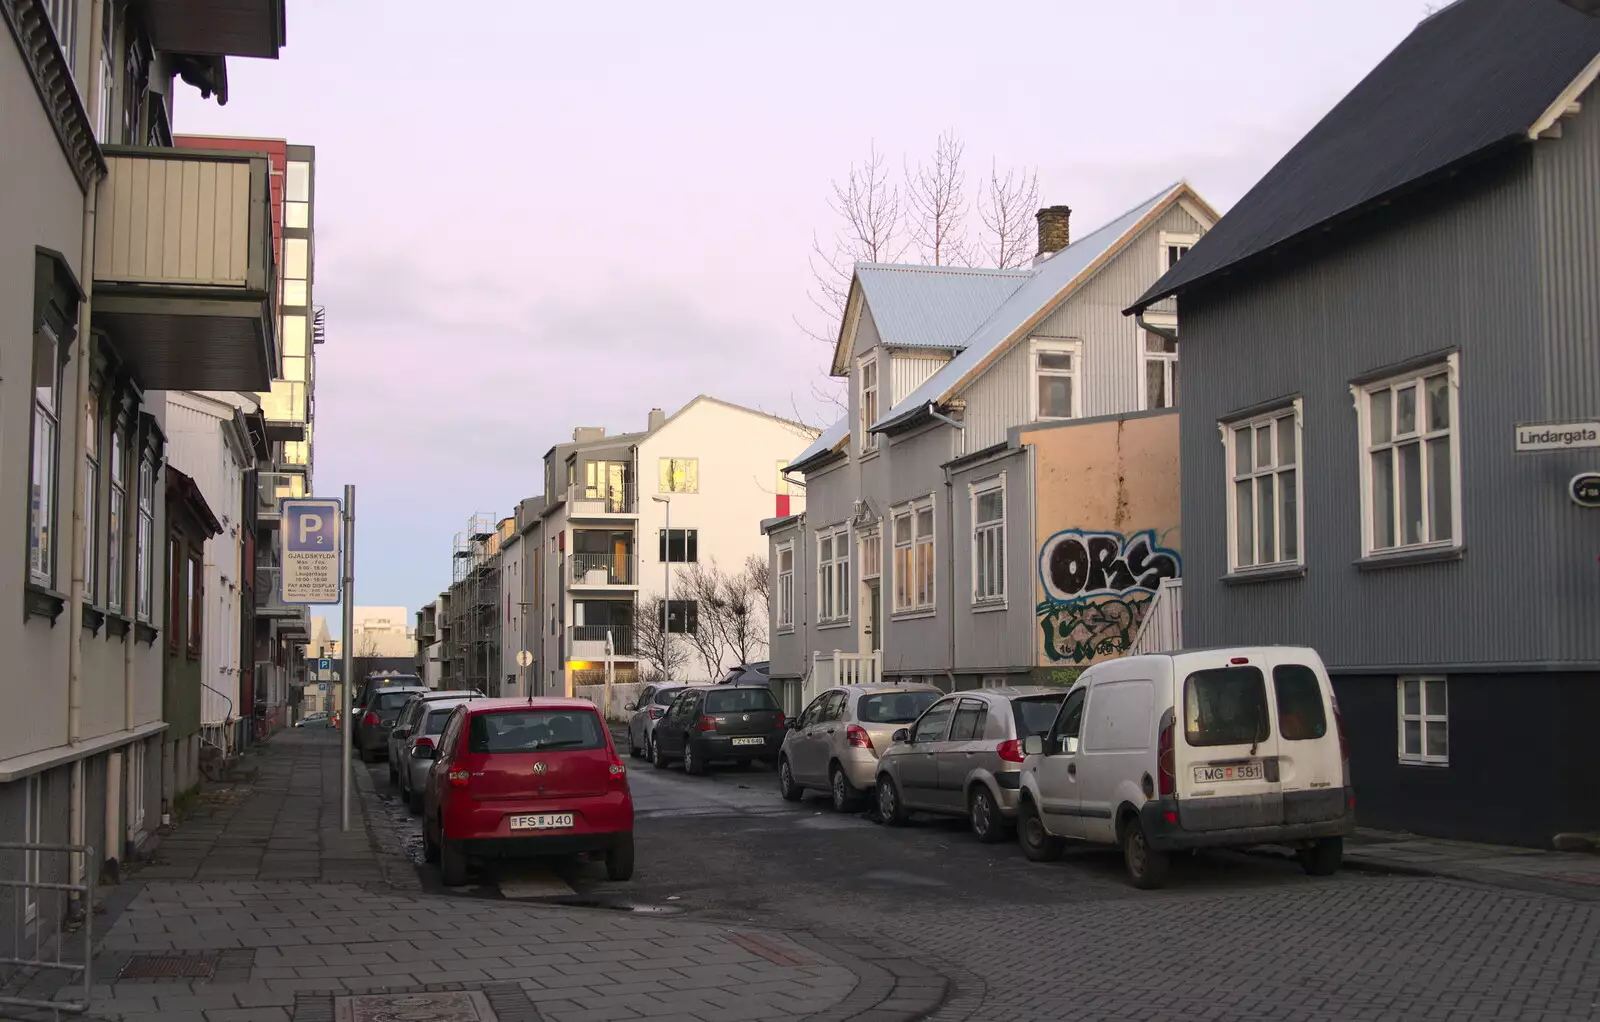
<point>294,917</point>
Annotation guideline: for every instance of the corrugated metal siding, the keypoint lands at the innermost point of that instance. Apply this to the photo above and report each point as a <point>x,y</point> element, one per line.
<point>830,501</point>
<point>929,306</point>
<point>921,643</point>
<point>993,640</point>
<point>907,373</point>
<point>997,400</point>
<point>1463,273</point>
<point>787,649</point>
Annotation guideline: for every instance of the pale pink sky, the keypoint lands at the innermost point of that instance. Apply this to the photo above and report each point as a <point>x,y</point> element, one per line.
<point>533,216</point>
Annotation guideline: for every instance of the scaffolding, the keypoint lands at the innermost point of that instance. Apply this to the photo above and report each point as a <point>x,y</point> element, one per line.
<point>475,606</point>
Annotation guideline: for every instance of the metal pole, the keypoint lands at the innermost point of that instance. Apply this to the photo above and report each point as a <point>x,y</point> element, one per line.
<point>666,599</point>
<point>349,641</point>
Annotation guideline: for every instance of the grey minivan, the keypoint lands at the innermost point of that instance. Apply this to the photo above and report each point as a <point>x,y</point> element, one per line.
<point>963,757</point>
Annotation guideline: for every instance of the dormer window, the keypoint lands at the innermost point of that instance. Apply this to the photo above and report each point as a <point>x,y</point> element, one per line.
<point>1175,247</point>
<point>867,374</point>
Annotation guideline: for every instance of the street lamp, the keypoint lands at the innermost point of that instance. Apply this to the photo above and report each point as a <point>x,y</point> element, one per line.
<point>666,590</point>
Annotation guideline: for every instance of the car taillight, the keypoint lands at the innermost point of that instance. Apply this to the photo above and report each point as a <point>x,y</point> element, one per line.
<point>458,778</point>
<point>781,722</point>
<point>371,720</point>
<point>1010,750</point>
<point>706,724</point>
<point>1338,723</point>
<point>857,736</point>
<point>656,712</point>
<point>1168,775</point>
<point>618,772</point>
<point>424,743</point>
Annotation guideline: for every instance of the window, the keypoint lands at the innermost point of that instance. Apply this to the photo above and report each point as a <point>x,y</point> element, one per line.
<point>1410,475</point>
<point>1160,371</point>
<point>893,707</point>
<point>1225,706</point>
<point>64,20</point>
<point>786,586</point>
<point>1068,723</point>
<point>136,788</point>
<point>296,269</point>
<point>534,731</point>
<point>116,516</point>
<point>740,700</point>
<point>680,475</point>
<point>1301,716</point>
<point>46,430</point>
<point>913,557</point>
<point>682,546</point>
<point>833,575</point>
<point>934,723</point>
<point>1175,247</point>
<point>872,553</point>
<point>1264,495</point>
<point>683,617</point>
<point>175,566</point>
<point>989,542</point>
<point>297,195</point>
<point>194,591</point>
<point>969,721</point>
<point>1035,714</point>
<point>91,495</point>
<point>869,402</point>
<point>144,540</point>
<point>1055,368</point>
<point>1424,721</point>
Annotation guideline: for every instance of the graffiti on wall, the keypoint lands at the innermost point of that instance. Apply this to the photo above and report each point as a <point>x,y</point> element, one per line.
<point>1098,587</point>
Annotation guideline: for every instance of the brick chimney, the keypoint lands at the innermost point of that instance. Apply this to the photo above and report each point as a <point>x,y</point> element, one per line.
<point>1055,231</point>
<point>658,418</point>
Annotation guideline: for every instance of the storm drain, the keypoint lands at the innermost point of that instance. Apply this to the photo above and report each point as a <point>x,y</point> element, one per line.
<point>496,1002</point>
<point>169,967</point>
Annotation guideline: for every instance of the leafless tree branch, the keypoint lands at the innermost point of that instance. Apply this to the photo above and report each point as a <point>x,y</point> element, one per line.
<point>937,204</point>
<point>1006,206</point>
<point>661,653</point>
<point>870,229</point>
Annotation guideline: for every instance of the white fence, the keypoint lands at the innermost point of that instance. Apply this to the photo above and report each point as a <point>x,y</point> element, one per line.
<point>1162,630</point>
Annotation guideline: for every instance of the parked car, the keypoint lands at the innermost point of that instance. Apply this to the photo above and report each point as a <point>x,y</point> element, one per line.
<point>370,686</point>
<point>316,718</point>
<point>1261,758</point>
<point>740,723</point>
<point>526,777</point>
<point>758,673</point>
<point>963,757</point>
<point>834,744</point>
<point>417,752</point>
<point>373,723</point>
<point>410,715</point>
<point>644,712</point>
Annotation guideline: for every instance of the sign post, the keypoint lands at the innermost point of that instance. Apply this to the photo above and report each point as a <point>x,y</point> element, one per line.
<point>349,640</point>
<point>311,576</point>
<point>524,658</point>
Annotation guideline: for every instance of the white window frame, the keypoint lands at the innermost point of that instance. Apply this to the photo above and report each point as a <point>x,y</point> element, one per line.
<point>1055,346</point>
<point>920,550</point>
<point>1424,437</point>
<point>91,497</point>
<point>1271,420</point>
<point>871,543</point>
<point>1428,715</point>
<point>1169,240</point>
<point>45,464</point>
<point>33,834</point>
<point>868,397</point>
<point>994,595</point>
<point>117,523</point>
<point>785,587</point>
<point>144,541</point>
<point>1169,370</point>
<point>833,577</point>
<point>136,789</point>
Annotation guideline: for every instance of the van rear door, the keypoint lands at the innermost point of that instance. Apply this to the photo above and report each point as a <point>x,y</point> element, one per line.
<point>1225,749</point>
<point>1310,756</point>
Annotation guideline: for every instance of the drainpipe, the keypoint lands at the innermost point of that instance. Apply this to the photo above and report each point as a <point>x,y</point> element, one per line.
<point>83,343</point>
<point>950,532</point>
<point>1159,331</point>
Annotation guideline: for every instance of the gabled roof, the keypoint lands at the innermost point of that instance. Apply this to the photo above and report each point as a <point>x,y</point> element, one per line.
<point>829,441</point>
<point>923,306</point>
<point>1044,288</point>
<point>1472,79</point>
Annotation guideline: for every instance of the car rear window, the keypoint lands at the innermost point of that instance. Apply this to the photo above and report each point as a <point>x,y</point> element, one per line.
<point>1300,713</point>
<point>392,700</point>
<point>740,700</point>
<point>534,731</point>
<point>894,707</point>
<point>1036,714</point>
<point>664,697</point>
<point>1225,706</point>
<point>434,725</point>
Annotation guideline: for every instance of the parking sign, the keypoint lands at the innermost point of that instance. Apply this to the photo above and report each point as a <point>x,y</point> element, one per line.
<point>311,530</point>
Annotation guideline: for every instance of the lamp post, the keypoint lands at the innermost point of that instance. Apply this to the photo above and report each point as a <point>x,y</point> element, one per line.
<point>666,592</point>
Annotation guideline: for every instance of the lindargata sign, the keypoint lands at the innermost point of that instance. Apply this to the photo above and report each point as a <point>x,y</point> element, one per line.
<point>1557,436</point>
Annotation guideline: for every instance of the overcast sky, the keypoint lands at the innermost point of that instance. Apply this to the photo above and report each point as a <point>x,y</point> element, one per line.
<point>566,214</point>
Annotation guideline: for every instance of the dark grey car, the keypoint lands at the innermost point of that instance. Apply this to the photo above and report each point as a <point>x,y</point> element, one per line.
<point>372,730</point>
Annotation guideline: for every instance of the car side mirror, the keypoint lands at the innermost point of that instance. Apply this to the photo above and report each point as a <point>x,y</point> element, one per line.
<point>901,735</point>
<point>792,723</point>
<point>1033,745</point>
<point>631,707</point>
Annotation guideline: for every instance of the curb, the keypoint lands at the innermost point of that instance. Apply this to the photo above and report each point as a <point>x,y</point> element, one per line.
<point>890,986</point>
<point>396,868</point>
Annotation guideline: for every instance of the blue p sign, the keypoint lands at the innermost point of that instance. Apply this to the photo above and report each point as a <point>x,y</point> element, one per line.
<point>312,526</point>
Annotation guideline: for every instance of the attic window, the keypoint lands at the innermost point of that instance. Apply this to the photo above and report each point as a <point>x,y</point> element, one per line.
<point>869,402</point>
<point>1175,247</point>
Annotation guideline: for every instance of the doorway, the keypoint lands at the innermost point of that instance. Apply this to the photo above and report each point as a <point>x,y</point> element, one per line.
<point>875,615</point>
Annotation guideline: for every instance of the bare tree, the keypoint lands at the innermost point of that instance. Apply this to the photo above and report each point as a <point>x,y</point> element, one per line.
<point>704,585</point>
<point>661,653</point>
<point>744,611</point>
<point>937,204</point>
<point>759,570</point>
<point>1006,206</point>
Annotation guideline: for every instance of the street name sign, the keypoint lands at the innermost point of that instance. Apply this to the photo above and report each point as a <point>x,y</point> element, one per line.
<point>1557,436</point>
<point>311,551</point>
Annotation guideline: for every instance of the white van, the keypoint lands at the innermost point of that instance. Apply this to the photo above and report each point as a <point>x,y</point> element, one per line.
<point>1260,759</point>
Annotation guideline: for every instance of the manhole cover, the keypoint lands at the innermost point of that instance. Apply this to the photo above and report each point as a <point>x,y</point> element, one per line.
<point>453,1006</point>
<point>169,967</point>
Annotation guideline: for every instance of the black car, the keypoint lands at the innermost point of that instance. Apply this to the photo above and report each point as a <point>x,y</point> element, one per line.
<point>737,723</point>
<point>368,692</point>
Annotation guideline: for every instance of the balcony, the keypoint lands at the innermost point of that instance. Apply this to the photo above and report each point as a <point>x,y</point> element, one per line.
<point>217,28</point>
<point>600,571</point>
<point>271,489</point>
<point>588,642</point>
<point>609,503</point>
<point>269,598</point>
<point>183,268</point>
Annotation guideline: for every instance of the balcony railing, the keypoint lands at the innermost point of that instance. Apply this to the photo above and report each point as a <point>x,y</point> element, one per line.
<point>269,598</point>
<point>606,569</point>
<point>588,642</point>
<point>600,502</point>
<point>272,488</point>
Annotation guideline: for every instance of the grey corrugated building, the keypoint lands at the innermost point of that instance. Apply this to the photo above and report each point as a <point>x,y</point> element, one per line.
<point>1363,336</point>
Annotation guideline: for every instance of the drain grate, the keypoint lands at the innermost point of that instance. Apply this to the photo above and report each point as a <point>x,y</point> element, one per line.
<point>169,967</point>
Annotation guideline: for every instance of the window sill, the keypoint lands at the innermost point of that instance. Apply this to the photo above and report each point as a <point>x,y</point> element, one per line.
<point>1424,763</point>
<point>786,630</point>
<point>144,633</point>
<point>92,618</point>
<point>914,615</point>
<point>117,625</point>
<point>1404,558</point>
<point>990,606</point>
<point>39,601</point>
<point>1274,573</point>
<point>828,625</point>
<point>869,454</point>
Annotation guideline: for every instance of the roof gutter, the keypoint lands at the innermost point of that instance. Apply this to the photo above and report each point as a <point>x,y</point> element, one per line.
<point>1159,331</point>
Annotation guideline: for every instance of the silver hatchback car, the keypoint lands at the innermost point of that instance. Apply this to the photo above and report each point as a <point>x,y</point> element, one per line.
<point>643,713</point>
<point>834,744</point>
<point>418,750</point>
<point>963,757</point>
<point>406,724</point>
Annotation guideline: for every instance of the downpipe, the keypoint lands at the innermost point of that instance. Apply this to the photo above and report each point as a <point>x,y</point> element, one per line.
<point>958,441</point>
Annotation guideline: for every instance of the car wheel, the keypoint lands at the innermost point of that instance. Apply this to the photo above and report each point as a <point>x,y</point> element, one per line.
<point>1147,866</point>
<point>394,776</point>
<point>692,763</point>
<point>790,791</point>
<point>845,795</point>
<point>890,809</point>
<point>619,860</point>
<point>1323,858</point>
<point>1038,844</point>
<point>414,802</point>
<point>430,847</point>
<point>452,862</point>
<point>657,757</point>
<point>988,826</point>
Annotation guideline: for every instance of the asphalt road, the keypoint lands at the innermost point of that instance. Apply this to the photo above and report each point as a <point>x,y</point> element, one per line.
<point>1236,936</point>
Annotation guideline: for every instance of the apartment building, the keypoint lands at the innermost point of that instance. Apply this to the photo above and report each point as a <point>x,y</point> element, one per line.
<point>381,632</point>
<point>999,504</point>
<point>109,291</point>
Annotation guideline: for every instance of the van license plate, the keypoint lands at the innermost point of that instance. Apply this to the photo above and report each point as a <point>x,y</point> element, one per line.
<point>542,821</point>
<point>1237,772</point>
<point>749,741</point>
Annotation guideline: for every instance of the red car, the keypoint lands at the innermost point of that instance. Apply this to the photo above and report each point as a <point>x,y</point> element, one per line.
<point>526,777</point>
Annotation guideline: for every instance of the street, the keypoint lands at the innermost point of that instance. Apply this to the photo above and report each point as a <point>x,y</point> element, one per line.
<point>1235,935</point>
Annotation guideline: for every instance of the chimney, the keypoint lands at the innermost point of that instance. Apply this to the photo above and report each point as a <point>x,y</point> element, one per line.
<point>658,418</point>
<point>1055,231</point>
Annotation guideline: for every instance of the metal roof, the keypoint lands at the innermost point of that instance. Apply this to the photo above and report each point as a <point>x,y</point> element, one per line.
<point>825,443</point>
<point>1045,285</point>
<point>1475,77</point>
<point>933,306</point>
